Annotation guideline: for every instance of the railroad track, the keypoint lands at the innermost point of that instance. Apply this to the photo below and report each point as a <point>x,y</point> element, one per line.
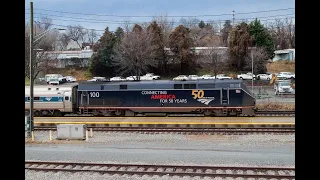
<point>162,170</point>
<point>258,114</point>
<point>275,113</point>
<point>283,130</point>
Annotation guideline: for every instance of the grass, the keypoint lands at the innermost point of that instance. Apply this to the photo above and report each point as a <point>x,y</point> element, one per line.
<point>275,106</point>
<point>79,73</point>
<point>281,66</point>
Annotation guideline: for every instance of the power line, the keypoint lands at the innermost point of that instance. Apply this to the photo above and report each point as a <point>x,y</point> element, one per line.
<point>129,22</point>
<point>155,15</point>
<point>65,26</point>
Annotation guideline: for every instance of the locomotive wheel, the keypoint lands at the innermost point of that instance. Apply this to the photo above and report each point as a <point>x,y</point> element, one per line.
<point>37,113</point>
<point>57,113</point>
<point>207,113</point>
<point>119,112</point>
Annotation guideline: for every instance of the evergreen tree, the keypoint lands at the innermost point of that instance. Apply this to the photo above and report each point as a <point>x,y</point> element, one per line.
<point>101,60</point>
<point>201,24</point>
<point>261,38</point>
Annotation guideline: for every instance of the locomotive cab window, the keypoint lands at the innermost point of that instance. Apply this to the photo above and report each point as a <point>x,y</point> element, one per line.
<point>123,87</point>
<point>190,86</point>
<point>57,89</point>
<point>206,86</point>
<point>234,85</point>
<point>178,86</point>
<point>66,98</point>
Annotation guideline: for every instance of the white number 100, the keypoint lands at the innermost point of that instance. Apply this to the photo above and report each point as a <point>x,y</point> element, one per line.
<point>94,94</point>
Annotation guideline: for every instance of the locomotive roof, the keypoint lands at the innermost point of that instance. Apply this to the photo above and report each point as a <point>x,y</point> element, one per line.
<point>202,81</point>
<point>160,85</point>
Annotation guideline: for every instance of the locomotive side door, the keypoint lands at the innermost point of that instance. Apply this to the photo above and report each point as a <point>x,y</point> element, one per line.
<point>84,98</point>
<point>224,96</point>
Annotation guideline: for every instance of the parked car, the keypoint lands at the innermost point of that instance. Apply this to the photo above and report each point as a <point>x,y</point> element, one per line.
<point>246,76</point>
<point>223,76</point>
<point>283,87</point>
<point>70,79</point>
<point>267,76</point>
<point>150,76</point>
<point>60,78</point>
<point>207,76</point>
<point>131,78</point>
<point>286,75</point>
<point>181,78</point>
<point>117,78</point>
<point>53,81</point>
<point>97,79</point>
<point>193,77</point>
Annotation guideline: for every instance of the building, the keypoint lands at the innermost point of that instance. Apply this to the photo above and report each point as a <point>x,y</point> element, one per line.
<point>286,54</point>
<point>62,59</point>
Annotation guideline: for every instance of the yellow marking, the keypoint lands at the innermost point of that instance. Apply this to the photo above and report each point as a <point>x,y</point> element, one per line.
<point>234,123</point>
<point>213,118</point>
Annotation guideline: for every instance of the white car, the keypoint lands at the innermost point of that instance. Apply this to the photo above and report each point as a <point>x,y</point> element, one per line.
<point>117,78</point>
<point>48,77</point>
<point>193,77</point>
<point>286,75</point>
<point>150,76</point>
<point>131,78</point>
<point>223,76</point>
<point>70,79</point>
<point>53,81</point>
<point>181,78</point>
<point>97,79</point>
<point>247,76</point>
<point>266,76</point>
<point>207,76</point>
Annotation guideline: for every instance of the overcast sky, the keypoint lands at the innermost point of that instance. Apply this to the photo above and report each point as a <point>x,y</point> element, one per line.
<point>106,12</point>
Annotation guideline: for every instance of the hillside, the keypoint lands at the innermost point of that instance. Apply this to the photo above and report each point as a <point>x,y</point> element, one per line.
<point>284,66</point>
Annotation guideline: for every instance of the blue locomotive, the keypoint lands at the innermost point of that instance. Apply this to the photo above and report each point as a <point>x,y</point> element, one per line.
<point>161,98</point>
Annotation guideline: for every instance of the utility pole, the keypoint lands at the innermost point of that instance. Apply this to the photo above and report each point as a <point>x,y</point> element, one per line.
<point>233,17</point>
<point>252,69</point>
<point>31,65</point>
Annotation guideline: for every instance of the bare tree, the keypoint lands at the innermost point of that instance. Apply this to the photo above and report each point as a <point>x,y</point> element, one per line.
<point>190,22</point>
<point>213,59</point>
<point>41,56</point>
<point>134,54</point>
<point>64,41</point>
<point>77,34</point>
<point>127,26</point>
<point>203,36</point>
<point>260,59</point>
<point>92,36</point>
<point>46,23</point>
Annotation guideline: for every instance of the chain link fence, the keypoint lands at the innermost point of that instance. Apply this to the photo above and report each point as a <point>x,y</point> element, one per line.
<point>262,92</point>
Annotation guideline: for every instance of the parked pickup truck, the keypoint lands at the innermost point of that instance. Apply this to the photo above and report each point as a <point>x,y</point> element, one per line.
<point>247,76</point>
<point>283,87</point>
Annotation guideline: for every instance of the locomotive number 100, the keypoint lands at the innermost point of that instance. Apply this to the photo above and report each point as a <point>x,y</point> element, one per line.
<point>94,94</point>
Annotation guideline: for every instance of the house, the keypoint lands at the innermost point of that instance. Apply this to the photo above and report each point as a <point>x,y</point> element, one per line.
<point>285,54</point>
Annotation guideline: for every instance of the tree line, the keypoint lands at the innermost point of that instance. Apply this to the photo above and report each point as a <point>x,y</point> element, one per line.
<point>135,50</point>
